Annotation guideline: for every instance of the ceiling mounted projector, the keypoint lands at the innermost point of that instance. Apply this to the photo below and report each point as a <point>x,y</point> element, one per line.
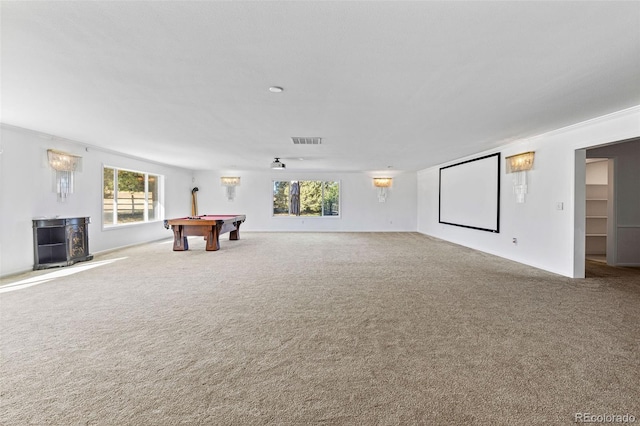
<point>277,165</point>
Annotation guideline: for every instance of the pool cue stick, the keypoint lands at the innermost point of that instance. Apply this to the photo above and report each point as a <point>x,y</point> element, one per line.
<point>194,202</point>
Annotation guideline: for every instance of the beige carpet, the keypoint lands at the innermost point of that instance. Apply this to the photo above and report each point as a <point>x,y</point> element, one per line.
<point>317,328</point>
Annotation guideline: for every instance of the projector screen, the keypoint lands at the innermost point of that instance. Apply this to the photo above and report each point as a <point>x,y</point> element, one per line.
<point>470,194</point>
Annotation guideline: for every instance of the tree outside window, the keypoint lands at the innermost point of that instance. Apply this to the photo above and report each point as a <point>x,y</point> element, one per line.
<point>306,198</point>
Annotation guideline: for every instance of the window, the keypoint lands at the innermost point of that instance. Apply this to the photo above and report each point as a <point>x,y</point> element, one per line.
<point>130,197</point>
<point>306,198</point>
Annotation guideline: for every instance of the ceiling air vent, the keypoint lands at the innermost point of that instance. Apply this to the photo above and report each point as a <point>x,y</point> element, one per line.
<point>306,141</point>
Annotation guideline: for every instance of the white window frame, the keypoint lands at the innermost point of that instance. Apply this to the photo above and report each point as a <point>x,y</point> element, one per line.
<point>160,198</point>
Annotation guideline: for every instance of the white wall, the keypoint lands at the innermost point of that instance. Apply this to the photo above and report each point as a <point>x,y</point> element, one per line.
<point>26,193</point>
<point>360,209</point>
<point>548,238</point>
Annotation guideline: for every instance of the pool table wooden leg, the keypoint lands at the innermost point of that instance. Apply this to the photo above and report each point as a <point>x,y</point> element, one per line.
<point>180,242</point>
<point>235,234</point>
<point>213,238</point>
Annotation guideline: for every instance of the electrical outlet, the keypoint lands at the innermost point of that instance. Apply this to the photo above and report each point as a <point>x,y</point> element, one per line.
<point>559,206</point>
<point>514,241</point>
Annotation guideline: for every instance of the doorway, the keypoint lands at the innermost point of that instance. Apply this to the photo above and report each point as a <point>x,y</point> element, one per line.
<point>620,243</point>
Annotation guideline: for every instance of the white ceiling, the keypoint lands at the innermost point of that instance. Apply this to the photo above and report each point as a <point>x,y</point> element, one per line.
<point>400,84</point>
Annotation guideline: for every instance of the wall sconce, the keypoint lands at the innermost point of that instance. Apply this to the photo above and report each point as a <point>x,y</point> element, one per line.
<point>64,166</point>
<point>519,165</point>
<point>230,182</point>
<point>382,184</point>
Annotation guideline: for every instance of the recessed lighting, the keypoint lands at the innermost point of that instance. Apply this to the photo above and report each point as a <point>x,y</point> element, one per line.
<point>275,89</point>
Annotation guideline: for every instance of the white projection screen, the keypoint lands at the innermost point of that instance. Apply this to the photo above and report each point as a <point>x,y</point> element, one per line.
<point>470,194</point>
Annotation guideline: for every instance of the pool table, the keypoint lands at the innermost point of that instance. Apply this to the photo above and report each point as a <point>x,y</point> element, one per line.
<point>208,226</point>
